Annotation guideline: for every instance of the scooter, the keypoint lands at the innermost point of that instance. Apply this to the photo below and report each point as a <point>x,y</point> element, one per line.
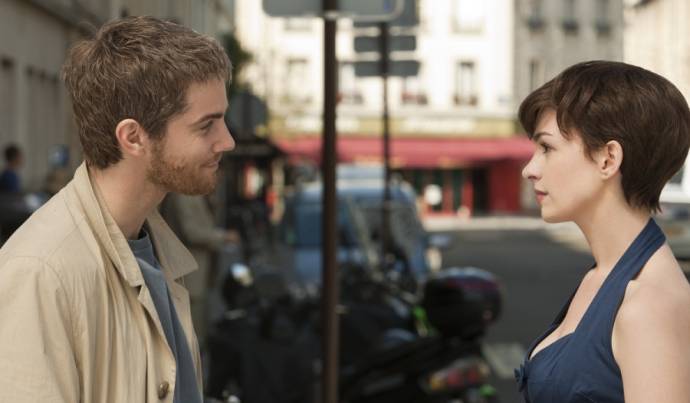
<point>440,362</point>
<point>395,347</point>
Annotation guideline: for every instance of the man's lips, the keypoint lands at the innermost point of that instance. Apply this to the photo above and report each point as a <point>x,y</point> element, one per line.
<point>213,163</point>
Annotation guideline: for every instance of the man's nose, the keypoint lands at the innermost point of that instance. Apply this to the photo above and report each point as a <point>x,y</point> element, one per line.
<point>228,142</point>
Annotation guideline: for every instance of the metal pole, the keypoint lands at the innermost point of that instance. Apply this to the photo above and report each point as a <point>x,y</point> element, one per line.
<point>330,278</point>
<point>385,208</point>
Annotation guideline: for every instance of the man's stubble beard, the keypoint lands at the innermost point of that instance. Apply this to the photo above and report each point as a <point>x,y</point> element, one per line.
<point>179,177</point>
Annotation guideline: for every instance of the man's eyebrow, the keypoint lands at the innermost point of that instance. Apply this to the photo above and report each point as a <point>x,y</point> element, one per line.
<point>215,115</point>
<point>538,135</point>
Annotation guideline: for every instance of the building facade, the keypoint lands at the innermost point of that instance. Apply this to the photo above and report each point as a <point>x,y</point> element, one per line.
<point>452,125</point>
<point>551,35</point>
<point>657,38</point>
<point>35,36</point>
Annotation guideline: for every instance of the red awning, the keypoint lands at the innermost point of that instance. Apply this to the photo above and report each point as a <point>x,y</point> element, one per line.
<point>414,152</point>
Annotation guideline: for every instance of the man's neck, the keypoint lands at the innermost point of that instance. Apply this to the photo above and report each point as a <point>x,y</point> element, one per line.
<point>128,196</point>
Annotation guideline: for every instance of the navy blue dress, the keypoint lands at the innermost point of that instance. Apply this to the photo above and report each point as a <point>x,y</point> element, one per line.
<point>580,366</point>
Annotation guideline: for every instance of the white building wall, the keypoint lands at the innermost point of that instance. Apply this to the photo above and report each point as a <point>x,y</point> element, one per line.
<point>542,37</point>
<point>274,42</point>
<point>656,38</point>
<point>34,109</point>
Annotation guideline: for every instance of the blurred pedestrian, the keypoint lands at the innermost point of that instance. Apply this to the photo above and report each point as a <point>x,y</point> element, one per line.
<point>92,306</point>
<point>192,219</point>
<point>9,178</point>
<point>609,136</point>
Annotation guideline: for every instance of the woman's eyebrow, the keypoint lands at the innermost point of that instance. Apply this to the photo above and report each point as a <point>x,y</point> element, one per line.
<point>538,135</point>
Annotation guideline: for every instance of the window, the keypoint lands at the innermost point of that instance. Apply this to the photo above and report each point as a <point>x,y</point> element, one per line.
<point>348,93</point>
<point>297,76</point>
<point>536,74</point>
<point>535,19</point>
<point>7,101</point>
<point>468,15</point>
<point>570,24</point>
<point>412,93</point>
<point>466,84</point>
<point>603,23</point>
<point>43,94</point>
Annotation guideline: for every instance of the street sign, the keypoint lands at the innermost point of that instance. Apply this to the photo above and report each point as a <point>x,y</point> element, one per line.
<point>397,68</point>
<point>372,49</point>
<point>398,43</point>
<point>368,10</point>
<point>408,17</point>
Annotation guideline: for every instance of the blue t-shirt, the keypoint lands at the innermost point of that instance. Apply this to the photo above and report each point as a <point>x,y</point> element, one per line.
<point>186,390</point>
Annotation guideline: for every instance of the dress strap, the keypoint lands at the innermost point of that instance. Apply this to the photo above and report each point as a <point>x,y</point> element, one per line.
<point>608,299</point>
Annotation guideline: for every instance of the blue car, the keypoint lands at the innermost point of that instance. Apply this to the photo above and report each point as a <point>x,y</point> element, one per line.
<point>359,228</point>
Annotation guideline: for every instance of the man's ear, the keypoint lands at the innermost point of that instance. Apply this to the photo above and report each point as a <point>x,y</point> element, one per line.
<point>609,159</point>
<point>131,137</point>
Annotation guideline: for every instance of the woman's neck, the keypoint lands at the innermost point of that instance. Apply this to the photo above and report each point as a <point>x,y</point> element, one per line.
<point>610,229</point>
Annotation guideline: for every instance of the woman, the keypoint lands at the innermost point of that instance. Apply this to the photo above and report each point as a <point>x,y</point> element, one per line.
<point>609,136</point>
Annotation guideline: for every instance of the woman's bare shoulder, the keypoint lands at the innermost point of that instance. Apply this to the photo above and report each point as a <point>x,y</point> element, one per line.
<point>651,333</point>
<point>659,295</point>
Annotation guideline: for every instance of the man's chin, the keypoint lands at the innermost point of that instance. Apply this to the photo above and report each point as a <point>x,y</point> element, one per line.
<point>199,187</point>
<point>198,190</point>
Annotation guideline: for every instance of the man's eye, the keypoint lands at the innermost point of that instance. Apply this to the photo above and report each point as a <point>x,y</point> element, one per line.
<point>207,126</point>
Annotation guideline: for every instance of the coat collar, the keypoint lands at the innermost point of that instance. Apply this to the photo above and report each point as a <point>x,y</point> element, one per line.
<point>175,259</point>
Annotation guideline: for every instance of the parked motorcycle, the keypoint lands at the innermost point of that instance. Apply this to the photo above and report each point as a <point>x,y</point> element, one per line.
<point>440,362</point>
<point>394,346</point>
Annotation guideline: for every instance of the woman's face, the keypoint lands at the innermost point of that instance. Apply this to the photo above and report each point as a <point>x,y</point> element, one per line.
<point>567,183</point>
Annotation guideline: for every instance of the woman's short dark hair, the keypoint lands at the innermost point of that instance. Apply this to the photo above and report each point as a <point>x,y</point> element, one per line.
<point>604,101</point>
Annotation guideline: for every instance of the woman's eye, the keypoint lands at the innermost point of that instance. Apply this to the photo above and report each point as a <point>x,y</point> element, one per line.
<point>545,147</point>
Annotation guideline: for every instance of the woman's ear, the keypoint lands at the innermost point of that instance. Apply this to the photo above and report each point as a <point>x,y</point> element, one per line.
<point>609,159</point>
<point>131,137</point>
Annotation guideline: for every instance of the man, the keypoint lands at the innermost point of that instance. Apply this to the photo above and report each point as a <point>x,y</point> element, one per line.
<point>91,305</point>
<point>9,178</point>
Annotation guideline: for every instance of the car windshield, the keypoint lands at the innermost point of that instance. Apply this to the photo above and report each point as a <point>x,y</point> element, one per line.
<point>306,227</point>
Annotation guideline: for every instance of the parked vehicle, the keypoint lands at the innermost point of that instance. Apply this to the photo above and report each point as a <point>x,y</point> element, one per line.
<point>440,359</point>
<point>394,346</point>
<point>359,223</point>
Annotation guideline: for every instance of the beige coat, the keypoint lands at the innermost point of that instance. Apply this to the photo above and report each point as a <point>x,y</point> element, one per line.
<point>77,322</point>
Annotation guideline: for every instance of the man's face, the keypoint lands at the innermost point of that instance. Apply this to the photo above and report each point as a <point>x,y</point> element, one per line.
<point>186,159</point>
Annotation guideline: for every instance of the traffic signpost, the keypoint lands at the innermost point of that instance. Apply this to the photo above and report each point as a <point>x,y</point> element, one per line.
<point>365,11</point>
<point>358,10</point>
<point>381,56</point>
